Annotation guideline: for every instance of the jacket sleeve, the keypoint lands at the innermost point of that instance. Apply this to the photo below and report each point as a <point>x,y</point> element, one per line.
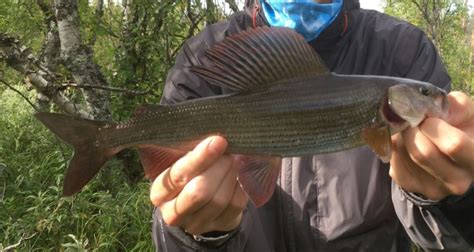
<point>433,225</point>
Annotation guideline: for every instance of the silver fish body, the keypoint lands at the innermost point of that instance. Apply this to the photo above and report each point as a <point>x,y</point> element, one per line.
<point>297,117</point>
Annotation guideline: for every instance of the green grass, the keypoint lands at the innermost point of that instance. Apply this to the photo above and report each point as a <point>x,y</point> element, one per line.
<point>34,216</point>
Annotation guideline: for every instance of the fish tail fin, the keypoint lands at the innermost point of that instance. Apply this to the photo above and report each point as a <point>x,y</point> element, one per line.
<point>88,157</point>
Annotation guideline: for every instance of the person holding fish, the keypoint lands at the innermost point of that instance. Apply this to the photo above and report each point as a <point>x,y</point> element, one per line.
<point>346,200</point>
<point>298,126</point>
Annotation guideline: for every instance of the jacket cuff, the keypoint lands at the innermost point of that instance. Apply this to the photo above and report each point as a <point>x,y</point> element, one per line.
<point>216,238</point>
<point>422,201</point>
<point>417,199</point>
<point>209,240</point>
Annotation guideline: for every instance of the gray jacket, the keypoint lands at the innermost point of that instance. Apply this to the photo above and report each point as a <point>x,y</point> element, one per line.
<point>342,201</point>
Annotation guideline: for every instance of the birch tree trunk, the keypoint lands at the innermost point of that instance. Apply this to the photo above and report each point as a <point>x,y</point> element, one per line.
<point>77,58</point>
<point>50,57</point>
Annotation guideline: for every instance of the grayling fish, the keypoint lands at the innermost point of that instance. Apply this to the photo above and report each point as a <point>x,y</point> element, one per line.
<point>285,102</point>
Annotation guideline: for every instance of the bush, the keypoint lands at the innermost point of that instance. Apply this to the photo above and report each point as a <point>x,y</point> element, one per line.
<point>34,216</point>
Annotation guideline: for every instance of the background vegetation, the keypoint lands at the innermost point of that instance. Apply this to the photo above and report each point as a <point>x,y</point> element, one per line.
<point>449,25</point>
<point>127,48</point>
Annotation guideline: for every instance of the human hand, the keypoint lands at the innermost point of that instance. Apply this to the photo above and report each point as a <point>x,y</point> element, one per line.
<point>200,192</point>
<point>436,159</point>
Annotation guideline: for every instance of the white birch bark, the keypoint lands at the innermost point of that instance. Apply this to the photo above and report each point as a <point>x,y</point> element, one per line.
<point>77,58</point>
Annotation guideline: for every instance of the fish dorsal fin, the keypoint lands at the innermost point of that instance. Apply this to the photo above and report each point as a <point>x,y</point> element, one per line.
<point>256,58</point>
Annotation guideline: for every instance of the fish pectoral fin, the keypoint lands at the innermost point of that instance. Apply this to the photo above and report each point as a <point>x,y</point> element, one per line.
<point>258,176</point>
<point>379,140</point>
<point>155,159</point>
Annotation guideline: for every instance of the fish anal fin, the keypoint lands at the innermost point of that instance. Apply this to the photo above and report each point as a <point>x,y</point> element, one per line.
<point>155,159</point>
<point>258,176</point>
<point>377,137</point>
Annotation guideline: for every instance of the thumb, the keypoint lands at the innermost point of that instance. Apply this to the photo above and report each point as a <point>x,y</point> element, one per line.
<point>461,108</point>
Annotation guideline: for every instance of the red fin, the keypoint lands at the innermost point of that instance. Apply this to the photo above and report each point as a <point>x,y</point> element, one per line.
<point>258,176</point>
<point>378,138</point>
<point>156,159</point>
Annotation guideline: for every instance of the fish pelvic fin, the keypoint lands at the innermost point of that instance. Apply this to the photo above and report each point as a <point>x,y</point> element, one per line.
<point>89,155</point>
<point>258,176</point>
<point>155,159</point>
<point>256,58</point>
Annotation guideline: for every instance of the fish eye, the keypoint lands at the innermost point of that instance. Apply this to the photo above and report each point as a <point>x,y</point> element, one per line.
<point>424,91</point>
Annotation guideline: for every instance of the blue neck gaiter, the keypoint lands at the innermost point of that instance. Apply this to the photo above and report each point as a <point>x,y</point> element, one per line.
<point>306,17</point>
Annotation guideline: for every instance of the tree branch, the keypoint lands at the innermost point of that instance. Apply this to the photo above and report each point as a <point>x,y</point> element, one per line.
<point>422,10</point>
<point>195,20</point>
<point>161,13</point>
<point>99,13</point>
<point>28,9</point>
<point>3,187</point>
<point>127,92</point>
<point>23,61</point>
<point>233,6</point>
<point>20,93</point>
<point>428,19</point>
<point>191,30</point>
<point>211,12</point>
<point>47,12</point>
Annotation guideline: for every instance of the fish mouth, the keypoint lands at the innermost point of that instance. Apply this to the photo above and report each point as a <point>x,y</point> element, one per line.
<point>396,122</point>
<point>442,103</point>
